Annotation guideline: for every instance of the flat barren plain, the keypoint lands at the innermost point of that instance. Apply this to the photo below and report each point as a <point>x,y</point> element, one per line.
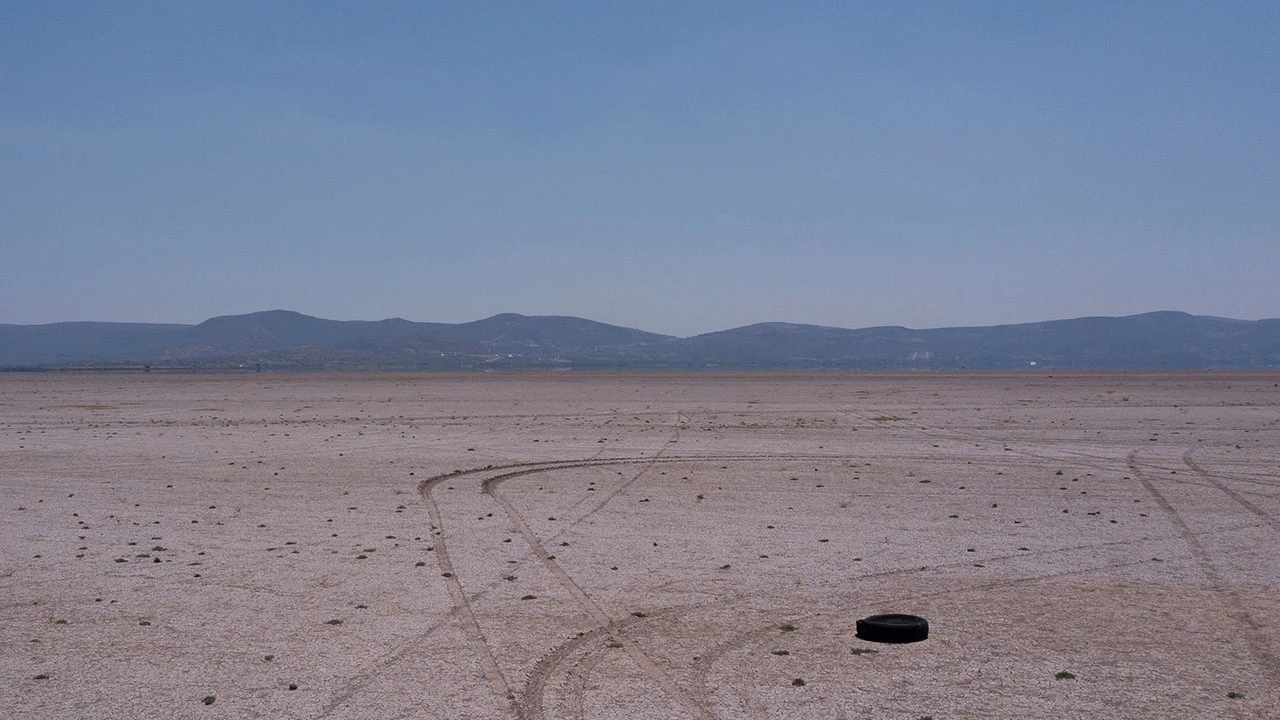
<point>569,545</point>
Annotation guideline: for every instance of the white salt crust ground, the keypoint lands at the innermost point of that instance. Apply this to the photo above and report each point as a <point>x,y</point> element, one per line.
<point>644,543</point>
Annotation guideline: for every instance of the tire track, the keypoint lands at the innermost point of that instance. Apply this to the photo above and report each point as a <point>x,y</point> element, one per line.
<point>1090,460</point>
<point>531,700</point>
<point>1184,531</point>
<point>461,605</point>
<point>443,560</point>
<point>355,685</point>
<point>618,490</point>
<point>471,626</point>
<point>1244,502</point>
<point>578,680</point>
<point>1255,636</point>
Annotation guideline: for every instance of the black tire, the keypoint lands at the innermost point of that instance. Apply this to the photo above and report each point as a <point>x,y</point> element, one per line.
<point>893,628</point>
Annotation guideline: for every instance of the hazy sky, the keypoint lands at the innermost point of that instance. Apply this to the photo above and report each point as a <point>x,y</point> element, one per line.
<point>679,167</point>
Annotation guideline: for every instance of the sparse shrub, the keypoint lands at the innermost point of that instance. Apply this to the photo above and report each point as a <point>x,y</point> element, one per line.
<point>798,682</point>
<point>208,699</point>
<point>1065,675</point>
<point>787,627</point>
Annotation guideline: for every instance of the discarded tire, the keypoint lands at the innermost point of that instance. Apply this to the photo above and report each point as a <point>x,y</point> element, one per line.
<point>893,628</point>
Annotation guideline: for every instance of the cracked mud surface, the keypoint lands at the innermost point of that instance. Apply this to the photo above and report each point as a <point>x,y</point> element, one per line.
<point>639,545</point>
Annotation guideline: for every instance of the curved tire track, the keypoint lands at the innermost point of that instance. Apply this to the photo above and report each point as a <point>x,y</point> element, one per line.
<point>471,626</point>
<point>531,699</point>
<point>525,705</point>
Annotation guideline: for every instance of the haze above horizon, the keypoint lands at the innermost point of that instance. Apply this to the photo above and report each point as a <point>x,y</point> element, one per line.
<point>674,167</point>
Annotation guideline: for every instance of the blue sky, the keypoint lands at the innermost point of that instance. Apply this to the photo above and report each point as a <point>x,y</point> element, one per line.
<point>673,166</point>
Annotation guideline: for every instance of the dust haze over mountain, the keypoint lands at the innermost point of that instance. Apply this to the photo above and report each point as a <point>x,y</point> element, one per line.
<point>286,340</point>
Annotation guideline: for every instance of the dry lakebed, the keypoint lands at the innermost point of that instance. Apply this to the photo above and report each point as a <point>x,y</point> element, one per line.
<point>639,545</point>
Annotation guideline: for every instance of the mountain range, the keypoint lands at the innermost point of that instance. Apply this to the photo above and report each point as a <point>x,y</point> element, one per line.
<point>287,340</point>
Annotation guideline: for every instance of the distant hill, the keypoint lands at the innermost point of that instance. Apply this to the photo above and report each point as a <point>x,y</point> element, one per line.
<point>282,339</point>
<point>286,340</point>
<point>1158,340</point>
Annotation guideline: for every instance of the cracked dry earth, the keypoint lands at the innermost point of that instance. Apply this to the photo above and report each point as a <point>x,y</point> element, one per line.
<point>639,545</point>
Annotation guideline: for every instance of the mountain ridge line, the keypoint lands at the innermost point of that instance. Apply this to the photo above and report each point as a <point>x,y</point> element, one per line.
<point>290,340</point>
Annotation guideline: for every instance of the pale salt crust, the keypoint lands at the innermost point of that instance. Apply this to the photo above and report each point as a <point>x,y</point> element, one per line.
<point>168,538</point>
